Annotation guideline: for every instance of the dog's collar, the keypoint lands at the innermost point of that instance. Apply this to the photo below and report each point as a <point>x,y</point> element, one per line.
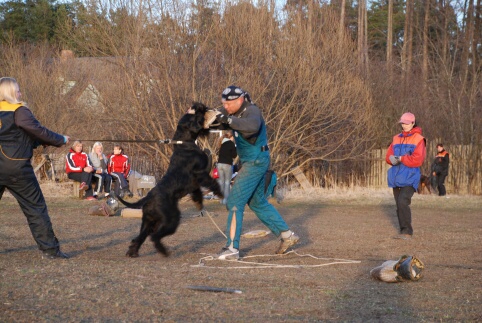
<point>187,144</point>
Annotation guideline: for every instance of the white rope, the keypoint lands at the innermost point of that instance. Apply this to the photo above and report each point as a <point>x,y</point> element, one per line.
<point>262,265</point>
<point>258,265</point>
<point>210,218</point>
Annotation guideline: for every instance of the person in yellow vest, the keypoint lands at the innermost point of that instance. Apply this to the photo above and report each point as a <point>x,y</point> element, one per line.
<point>440,168</point>
<point>20,134</point>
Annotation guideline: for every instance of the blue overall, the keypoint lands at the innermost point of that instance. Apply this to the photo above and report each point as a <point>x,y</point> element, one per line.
<point>248,188</point>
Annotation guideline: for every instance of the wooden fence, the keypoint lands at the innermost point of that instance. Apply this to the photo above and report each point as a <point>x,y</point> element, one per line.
<point>465,168</point>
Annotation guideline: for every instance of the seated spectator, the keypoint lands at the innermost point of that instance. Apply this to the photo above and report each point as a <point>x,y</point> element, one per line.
<point>79,168</point>
<point>100,175</point>
<point>119,168</point>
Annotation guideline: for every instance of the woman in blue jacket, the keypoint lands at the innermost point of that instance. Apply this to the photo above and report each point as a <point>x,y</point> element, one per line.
<point>406,154</point>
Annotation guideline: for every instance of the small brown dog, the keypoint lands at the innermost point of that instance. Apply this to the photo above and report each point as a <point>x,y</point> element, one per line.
<point>424,183</point>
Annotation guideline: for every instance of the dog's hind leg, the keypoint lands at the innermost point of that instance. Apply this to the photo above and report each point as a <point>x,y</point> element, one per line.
<point>146,229</point>
<point>173,219</point>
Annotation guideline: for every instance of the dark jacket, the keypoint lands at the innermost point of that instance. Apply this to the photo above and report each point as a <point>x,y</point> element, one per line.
<point>227,152</point>
<point>247,121</point>
<point>249,132</point>
<point>21,132</point>
<point>441,163</point>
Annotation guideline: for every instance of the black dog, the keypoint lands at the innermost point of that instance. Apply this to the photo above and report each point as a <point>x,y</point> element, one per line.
<point>187,173</point>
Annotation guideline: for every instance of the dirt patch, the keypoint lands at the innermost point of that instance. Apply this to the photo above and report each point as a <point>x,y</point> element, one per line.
<point>344,235</point>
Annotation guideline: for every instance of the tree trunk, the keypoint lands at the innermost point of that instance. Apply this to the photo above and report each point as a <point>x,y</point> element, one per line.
<point>466,47</point>
<point>360,31</point>
<point>341,31</point>
<point>365,39</point>
<point>443,10</point>
<point>390,37</point>
<point>362,37</point>
<point>407,42</point>
<point>477,39</point>
<point>410,39</point>
<point>425,47</point>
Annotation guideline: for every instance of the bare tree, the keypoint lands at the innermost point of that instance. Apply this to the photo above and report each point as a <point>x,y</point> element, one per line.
<point>390,37</point>
<point>35,70</point>
<point>315,105</point>
<point>407,42</point>
<point>342,20</point>
<point>362,36</point>
<point>425,46</point>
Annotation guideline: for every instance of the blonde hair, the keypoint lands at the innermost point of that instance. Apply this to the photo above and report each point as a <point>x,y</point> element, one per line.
<point>8,90</point>
<point>75,143</point>
<point>96,144</point>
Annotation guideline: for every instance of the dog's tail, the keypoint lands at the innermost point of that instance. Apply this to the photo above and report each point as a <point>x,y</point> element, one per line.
<point>136,205</point>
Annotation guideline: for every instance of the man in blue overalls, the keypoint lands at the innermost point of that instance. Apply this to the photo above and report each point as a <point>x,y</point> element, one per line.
<point>244,118</point>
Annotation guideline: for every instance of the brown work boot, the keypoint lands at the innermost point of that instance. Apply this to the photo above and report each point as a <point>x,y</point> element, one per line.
<point>286,243</point>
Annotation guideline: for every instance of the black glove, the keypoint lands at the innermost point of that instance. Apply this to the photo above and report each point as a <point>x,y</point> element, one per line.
<point>223,119</point>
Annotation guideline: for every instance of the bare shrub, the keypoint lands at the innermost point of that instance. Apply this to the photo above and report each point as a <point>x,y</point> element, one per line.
<point>136,78</point>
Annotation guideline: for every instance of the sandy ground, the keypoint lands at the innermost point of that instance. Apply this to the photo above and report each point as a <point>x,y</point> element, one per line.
<point>344,234</point>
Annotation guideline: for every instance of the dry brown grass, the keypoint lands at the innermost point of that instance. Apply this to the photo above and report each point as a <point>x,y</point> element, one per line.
<point>99,284</point>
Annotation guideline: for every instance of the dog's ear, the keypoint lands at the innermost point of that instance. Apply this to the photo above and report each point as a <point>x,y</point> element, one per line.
<point>198,123</point>
<point>199,107</point>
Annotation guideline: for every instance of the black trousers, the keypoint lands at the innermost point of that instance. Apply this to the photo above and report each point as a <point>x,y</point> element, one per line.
<point>83,178</point>
<point>403,199</point>
<point>21,182</point>
<point>120,182</point>
<point>441,184</point>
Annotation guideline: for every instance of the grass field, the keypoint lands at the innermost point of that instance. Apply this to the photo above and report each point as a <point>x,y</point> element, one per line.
<point>344,234</point>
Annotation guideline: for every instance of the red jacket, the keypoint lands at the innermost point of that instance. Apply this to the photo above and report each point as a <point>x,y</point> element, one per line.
<point>76,162</point>
<point>119,164</point>
<point>410,146</point>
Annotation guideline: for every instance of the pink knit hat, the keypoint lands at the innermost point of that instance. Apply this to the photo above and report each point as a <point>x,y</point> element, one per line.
<point>407,118</point>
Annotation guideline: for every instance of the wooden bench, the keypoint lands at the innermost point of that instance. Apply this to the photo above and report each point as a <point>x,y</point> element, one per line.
<point>75,189</point>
